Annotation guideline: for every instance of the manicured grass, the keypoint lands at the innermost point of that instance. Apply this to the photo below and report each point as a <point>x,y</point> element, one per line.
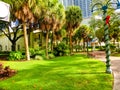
<point>75,72</point>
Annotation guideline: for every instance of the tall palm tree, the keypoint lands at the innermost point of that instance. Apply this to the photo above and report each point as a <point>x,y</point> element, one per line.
<point>73,20</point>
<point>23,11</point>
<point>25,15</point>
<point>52,18</point>
<point>58,22</point>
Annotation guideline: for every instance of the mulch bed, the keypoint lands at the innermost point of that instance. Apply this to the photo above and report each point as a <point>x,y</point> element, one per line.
<point>96,54</point>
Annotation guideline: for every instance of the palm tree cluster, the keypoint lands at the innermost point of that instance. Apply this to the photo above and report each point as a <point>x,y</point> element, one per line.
<point>49,15</point>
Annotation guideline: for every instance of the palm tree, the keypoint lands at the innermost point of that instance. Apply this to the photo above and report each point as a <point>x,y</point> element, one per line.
<point>25,15</point>
<point>23,11</point>
<point>59,20</point>
<point>73,20</point>
<point>51,19</point>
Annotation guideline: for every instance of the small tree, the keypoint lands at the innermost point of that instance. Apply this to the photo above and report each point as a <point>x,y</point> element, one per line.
<point>115,29</point>
<point>12,33</point>
<point>100,35</point>
<point>84,32</point>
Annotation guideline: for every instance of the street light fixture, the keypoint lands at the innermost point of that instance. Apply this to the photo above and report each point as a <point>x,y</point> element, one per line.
<point>106,18</point>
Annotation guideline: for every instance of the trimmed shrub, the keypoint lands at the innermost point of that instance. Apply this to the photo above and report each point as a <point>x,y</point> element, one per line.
<point>51,56</point>
<point>15,55</point>
<point>38,57</point>
<point>61,49</point>
<point>34,52</point>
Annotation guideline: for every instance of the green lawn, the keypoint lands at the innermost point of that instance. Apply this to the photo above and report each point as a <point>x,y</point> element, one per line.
<point>75,72</point>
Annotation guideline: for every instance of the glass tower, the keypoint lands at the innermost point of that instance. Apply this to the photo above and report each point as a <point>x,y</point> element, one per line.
<point>84,5</point>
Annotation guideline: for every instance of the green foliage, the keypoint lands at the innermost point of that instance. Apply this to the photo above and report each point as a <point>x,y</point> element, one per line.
<point>115,28</point>
<point>112,48</point>
<point>96,23</point>
<point>32,51</point>
<point>77,47</point>
<point>118,50</point>
<point>15,55</point>
<point>38,57</point>
<point>100,34</point>
<point>51,55</point>
<point>102,48</point>
<point>82,32</point>
<point>61,49</point>
<point>38,51</point>
<point>73,16</point>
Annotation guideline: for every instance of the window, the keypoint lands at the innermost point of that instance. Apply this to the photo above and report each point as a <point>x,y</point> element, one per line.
<point>6,47</point>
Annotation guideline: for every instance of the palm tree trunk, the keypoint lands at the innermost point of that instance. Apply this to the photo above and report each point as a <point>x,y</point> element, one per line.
<point>83,44</point>
<point>26,42</point>
<point>47,45</point>
<point>79,45</point>
<point>70,43</point>
<point>87,47</point>
<point>52,41</point>
<point>100,45</point>
<point>31,39</point>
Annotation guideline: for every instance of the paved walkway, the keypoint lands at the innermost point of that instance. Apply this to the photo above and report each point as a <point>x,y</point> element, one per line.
<point>115,66</point>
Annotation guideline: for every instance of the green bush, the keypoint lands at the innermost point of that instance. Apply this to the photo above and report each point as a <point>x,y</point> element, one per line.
<point>101,48</point>
<point>51,56</point>
<point>34,52</point>
<point>38,57</point>
<point>77,48</point>
<point>40,52</point>
<point>61,49</point>
<point>15,55</point>
<point>118,50</point>
<point>112,48</point>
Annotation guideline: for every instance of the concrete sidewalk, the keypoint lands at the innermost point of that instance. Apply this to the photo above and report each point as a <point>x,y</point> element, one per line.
<point>115,66</point>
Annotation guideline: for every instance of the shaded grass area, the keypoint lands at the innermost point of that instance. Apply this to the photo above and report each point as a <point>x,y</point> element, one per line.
<point>116,54</point>
<point>75,72</point>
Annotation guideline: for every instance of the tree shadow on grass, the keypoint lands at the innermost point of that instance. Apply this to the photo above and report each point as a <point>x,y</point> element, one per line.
<point>58,74</point>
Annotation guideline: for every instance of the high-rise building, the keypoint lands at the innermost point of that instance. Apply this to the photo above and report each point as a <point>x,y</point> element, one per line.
<point>70,2</point>
<point>84,5</point>
<point>67,3</point>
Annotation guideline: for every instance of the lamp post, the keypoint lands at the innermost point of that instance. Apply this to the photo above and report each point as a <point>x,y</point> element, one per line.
<point>106,18</point>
